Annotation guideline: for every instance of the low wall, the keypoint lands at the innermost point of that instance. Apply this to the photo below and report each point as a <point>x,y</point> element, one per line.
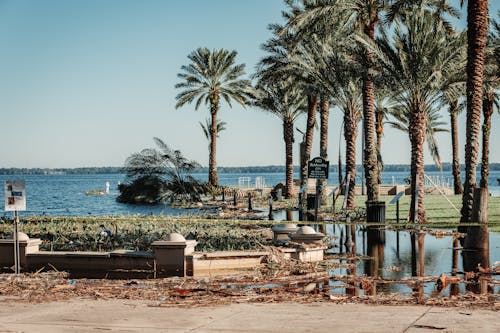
<point>26,247</point>
<point>203,263</point>
<point>97,265</point>
<point>175,257</point>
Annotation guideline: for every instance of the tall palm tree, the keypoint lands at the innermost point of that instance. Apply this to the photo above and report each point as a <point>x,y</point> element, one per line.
<point>454,110</point>
<point>210,75</point>
<point>477,28</point>
<point>452,90</point>
<point>363,14</point>
<point>383,107</point>
<point>301,58</point>
<point>286,102</point>
<point>491,96</point>
<point>319,63</point>
<point>349,99</point>
<point>416,63</point>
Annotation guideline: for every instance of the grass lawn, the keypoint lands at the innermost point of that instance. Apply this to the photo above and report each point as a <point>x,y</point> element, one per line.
<point>439,210</point>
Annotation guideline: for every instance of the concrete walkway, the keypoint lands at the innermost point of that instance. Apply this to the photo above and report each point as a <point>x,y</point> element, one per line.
<point>146,316</point>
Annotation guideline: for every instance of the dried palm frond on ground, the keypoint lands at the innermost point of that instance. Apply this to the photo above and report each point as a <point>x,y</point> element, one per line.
<point>286,281</point>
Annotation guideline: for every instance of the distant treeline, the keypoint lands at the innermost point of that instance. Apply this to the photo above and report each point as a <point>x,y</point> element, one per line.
<point>248,169</point>
<point>59,171</point>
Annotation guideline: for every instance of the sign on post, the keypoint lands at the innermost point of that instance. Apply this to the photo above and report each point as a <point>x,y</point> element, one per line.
<point>317,168</point>
<point>15,195</point>
<point>15,200</point>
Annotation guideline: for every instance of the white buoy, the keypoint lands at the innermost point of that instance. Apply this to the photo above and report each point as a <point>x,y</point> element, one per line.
<point>107,187</point>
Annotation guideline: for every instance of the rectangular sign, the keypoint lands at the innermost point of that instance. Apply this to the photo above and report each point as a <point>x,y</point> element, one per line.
<point>318,168</point>
<point>15,195</point>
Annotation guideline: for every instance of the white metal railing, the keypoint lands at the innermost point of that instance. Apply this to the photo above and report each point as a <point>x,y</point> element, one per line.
<point>260,182</point>
<point>244,181</point>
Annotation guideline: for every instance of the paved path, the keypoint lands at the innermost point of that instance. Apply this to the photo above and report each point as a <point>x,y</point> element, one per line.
<point>145,316</point>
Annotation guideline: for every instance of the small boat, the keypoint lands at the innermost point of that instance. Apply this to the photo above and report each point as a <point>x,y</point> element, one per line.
<point>498,180</point>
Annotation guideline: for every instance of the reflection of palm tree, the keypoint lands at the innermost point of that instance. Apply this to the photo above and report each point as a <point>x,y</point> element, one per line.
<point>375,250</point>
<point>476,252</point>
<point>210,76</point>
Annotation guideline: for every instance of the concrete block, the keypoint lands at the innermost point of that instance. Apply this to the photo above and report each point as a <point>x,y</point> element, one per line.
<point>170,255</point>
<point>26,246</point>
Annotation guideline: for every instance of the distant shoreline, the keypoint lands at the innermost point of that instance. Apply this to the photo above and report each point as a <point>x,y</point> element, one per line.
<point>229,170</point>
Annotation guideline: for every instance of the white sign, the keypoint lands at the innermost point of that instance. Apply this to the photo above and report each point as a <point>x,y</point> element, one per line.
<point>15,195</point>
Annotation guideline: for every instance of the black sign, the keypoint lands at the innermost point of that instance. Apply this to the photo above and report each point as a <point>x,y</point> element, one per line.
<point>318,168</point>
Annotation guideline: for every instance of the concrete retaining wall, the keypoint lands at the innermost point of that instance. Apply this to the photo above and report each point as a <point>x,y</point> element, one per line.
<point>169,258</point>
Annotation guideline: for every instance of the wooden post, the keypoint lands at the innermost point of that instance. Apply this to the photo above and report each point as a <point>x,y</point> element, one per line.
<point>271,216</point>
<point>250,202</point>
<point>316,201</point>
<point>374,288</point>
<point>483,282</point>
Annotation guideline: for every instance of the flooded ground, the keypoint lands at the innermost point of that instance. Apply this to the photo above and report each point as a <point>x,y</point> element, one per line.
<point>408,261</point>
<point>400,255</point>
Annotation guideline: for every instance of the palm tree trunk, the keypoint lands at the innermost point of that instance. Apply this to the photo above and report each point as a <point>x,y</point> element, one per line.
<point>312,103</point>
<point>350,135</point>
<point>289,140</point>
<point>457,182</point>
<point>380,132</point>
<point>477,27</point>
<point>213,179</point>
<point>323,143</point>
<point>485,162</point>
<point>370,153</point>
<point>417,129</point>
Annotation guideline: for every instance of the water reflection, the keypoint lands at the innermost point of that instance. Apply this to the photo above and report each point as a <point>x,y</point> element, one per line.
<point>415,258</point>
<point>420,257</point>
<point>476,255</point>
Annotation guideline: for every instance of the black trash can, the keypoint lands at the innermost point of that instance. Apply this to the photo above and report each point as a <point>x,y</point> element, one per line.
<point>375,211</point>
<point>311,201</point>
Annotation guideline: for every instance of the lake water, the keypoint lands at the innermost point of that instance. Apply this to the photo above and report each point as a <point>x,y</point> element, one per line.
<point>64,195</point>
<point>388,254</point>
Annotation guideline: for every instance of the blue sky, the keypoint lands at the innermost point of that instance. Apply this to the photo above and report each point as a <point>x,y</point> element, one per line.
<point>87,83</point>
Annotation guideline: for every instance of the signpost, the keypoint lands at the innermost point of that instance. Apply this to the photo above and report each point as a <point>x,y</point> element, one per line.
<point>395,200</point>
<point>15,201</point>
<point>317,168</point>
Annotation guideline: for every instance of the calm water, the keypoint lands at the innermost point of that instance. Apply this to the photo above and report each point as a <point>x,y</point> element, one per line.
<point>391,257</point>
<point>64,195</point>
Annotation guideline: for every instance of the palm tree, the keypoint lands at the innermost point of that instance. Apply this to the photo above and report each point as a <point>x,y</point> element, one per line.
<point>491,96</point>
<point>454,110</point>
<point>349,100</point>
<point>288,56</point>
<point>319,42</point>
<point>207,129</point>
<point>210,76</point>
<point>421,56</point>
<point>477,28</point>
<point>452,90</point>
<point>363,15</point>
<point>157,174</point>
<point>287,103</point>
<point>383,107</point>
